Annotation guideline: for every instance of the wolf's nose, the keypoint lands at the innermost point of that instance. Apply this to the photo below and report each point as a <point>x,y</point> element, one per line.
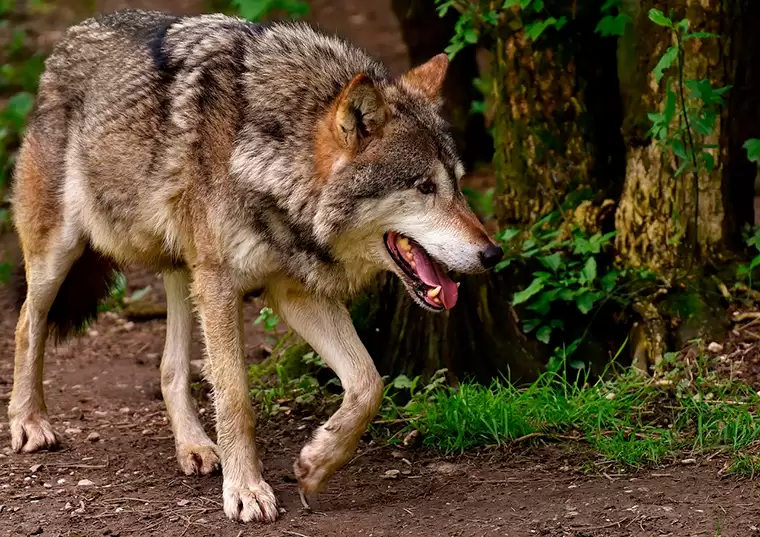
<point>491,255</point>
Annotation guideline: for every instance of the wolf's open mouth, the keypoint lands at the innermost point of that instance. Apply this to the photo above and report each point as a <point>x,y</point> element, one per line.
<point>428,277</point>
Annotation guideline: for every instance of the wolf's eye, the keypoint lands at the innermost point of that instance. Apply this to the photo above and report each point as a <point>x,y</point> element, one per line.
<point>428,187</point>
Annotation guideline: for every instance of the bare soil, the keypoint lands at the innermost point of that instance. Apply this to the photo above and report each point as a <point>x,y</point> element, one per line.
<point>126,482</point>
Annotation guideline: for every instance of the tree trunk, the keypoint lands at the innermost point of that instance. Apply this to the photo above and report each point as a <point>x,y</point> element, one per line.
<point>668,223</point>
<point>560,103</point>
<point>678,226</point>
<point>557,115</point>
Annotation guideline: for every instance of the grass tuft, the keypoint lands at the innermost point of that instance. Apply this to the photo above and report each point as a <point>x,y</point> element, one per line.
<point>633,421</point>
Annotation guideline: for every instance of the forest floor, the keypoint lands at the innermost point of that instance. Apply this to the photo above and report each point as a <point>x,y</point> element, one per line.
<point>126,481</point>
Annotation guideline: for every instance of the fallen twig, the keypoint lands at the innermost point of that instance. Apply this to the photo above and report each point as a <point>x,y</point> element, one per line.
<point>86,466</point>
<point>743,316</point>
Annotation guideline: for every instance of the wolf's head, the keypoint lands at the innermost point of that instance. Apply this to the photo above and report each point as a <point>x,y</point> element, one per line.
<point>389,165</point>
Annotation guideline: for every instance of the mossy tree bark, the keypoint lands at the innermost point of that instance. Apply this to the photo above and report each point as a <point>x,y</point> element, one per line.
<point>553,133</point>
<point>668,223</point>
<point>557,114</point>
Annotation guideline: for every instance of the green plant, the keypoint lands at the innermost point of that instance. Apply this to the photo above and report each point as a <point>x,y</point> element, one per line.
<point>115,299</point>
<point>257,9</point>
<point>687,119</point>
<point>287,380</point>
<point>19,76</point>
<point>614,22</point>
<point>568,268</point>
<point>753,149</point>
<point>745,271</point>
<point>268,318</point>
<point>480,17</point>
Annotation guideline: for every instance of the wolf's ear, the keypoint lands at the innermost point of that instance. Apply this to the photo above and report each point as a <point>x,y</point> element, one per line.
<point>360,113</point>
<point>428,78</point>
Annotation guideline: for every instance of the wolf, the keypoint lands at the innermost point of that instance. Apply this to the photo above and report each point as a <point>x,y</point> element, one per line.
<point>230,157</point>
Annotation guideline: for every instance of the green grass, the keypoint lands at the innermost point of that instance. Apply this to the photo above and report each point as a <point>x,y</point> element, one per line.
<point>632,421</point>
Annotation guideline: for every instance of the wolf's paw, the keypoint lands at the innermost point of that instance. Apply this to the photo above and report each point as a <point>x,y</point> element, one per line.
<point>256,502</point>
<point>319,460</point>
<point>32,432</point>
<point>198,459</point>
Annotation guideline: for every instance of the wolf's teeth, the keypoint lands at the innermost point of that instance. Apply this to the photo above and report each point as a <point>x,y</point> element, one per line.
<point>458,284</point>
<point>432,293</point>
<point>437,300</point>
<point>403,244</point>
<point>409,255</point>
<point>413,265</point>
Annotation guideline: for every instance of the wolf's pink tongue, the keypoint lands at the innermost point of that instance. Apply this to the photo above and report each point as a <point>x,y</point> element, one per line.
<point>433,275</point>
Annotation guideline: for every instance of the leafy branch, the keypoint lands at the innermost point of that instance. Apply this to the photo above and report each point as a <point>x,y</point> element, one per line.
<point>689,118</point>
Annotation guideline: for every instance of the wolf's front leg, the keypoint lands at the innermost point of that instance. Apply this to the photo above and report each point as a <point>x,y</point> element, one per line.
<point>247,496</point>
<point>327,326</point>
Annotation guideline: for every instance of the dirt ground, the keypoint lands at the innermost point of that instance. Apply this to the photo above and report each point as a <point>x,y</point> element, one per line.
<point>123,480</point>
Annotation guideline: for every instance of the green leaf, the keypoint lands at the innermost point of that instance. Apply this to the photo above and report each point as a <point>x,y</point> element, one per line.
<point>444,7</point>
<point>613,25</point>
<point>753,149</point>
<point>507,235</point>
<point>609,4</point>
<point>402,382</point>
<point>682,168</point>
<point>471,36</point>
<point>521,296</point>
<point>659,18</point>
<point>453,49</point>
<point>585,302</point>
<point>609,280</point>
<point>683,25</point>
<point>530,324</point>
<point>544,334</point>
<point>538,5</point>
<point>543,302</point>
<point>501,265</point>
<point>552,262</point>
<point>567,295</point>
<point>666,61</point>
<point>709,161</point>
<point>589,270</point>
<point>679,149</point>
<point>577,364</point>
<point>17,109</point>
<point>534,29</point>
<point>700,35</point>
<point>704,123</point>
<point>670,107</point>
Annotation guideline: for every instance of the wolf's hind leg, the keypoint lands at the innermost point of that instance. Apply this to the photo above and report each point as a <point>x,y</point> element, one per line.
<point>327,326</point>
<point>46,269</point>
<point>196,453</point>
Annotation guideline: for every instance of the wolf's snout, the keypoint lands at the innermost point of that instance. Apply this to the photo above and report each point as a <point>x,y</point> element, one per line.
<point>491,255</point>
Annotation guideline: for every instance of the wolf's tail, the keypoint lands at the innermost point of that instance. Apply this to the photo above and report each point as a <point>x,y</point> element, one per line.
<point>88,282</point>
